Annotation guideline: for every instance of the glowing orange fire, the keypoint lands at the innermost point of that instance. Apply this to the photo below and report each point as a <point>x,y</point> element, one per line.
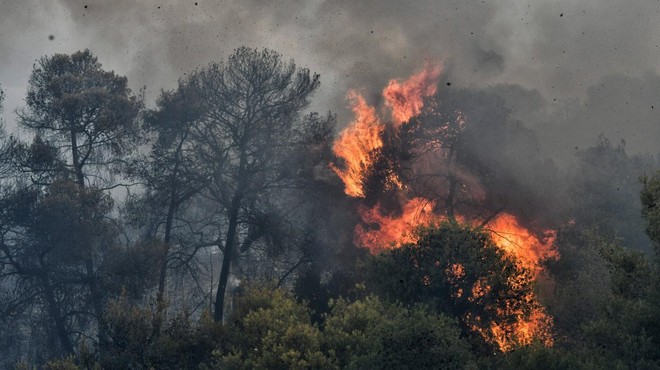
<point>537,326</point>
<point>356,144</point>
<point>406,99</point>
<point>524,246</point>
<point>392,231</point>
<point>529,249</point>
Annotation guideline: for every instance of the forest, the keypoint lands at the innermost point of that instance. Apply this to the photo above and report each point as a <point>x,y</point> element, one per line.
<point>229,226</point>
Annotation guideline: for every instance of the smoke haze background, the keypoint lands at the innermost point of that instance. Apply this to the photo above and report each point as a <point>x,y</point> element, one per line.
<point>572,70</point>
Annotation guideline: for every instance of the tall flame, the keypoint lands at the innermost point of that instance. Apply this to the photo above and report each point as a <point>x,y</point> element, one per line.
<point>363,136</point>
<point>406,99</point>
<point>356,144</point>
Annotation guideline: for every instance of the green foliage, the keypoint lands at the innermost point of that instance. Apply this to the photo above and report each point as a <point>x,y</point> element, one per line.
<point>626,331</point>
<point>604,302</point>
<point>73,93</point>
<point>87,113</point>
<point>270,330</point>
<point>372,334</point>
<point>538,356</point>
<point>135,269</point>
<point>134,344</point>
<point>580,281</point>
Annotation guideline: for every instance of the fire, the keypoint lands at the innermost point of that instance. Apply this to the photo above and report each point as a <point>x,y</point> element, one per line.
<point>406,99</point>
<point>529,249</point>
<point>392,231</point>
<point>507,233</point>
<point>537,326</point>
<point>360,140</point>
<point>356,145</point>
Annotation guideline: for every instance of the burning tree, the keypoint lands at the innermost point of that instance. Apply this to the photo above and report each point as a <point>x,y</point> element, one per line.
<point>421,168</point>
<point>462,272</point>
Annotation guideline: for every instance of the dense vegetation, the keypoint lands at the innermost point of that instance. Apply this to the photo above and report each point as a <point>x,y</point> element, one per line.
<point>208,232</point>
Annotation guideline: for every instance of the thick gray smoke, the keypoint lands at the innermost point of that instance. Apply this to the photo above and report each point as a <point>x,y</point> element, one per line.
<point>588,67</point>
<point>568,71</point>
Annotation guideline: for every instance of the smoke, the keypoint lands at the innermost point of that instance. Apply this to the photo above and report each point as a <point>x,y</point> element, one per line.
<point>561,49</point>
<point>541,80</point>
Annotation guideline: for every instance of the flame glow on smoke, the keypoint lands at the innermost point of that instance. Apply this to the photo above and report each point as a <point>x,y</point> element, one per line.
<point>357,148</point>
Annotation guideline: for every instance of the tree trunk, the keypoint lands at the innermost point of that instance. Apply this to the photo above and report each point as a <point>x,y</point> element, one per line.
<point>97,301</point>
<point>90,270</point>
<point>162,277</point>
<point>219,305</point>
<point>58,320</point>
<point>171,210</point>
<point>77,167</point>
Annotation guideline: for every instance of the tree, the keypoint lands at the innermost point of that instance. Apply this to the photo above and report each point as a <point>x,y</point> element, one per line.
<point>249,131</point>
<point>605,192</point>
<point>83,119</point>
<point>459,271</point>
<point>46,239</point>
<point>181,343</point>
<point>466,152</point>
<point>537,356</point>
<point>581,285</point>
<point>86,113</point>
<point>372,334</point>
<point>605,305</point>
<point>4,144</point>
<point>270,330</point>
<point>625,334</point>
<point>172,175</point>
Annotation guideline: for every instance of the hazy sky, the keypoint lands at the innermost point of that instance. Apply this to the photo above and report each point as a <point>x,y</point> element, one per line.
<point>593,64</point>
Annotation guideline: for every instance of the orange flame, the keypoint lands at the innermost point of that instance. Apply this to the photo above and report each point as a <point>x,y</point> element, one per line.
<point>392,231</point>
<point>406,99</point>
<point>529,249</point>
<point>356,144</point>
<point>537,326</point>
